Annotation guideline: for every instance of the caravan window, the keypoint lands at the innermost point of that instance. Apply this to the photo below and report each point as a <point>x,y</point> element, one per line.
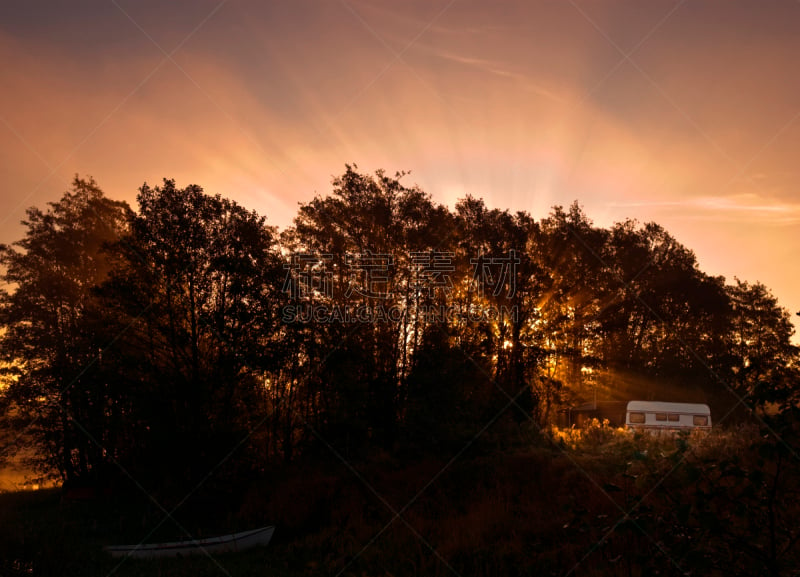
<point>674,417</point>
<point>637,417</point>
<point>661,416</point>
<point>700,421</point>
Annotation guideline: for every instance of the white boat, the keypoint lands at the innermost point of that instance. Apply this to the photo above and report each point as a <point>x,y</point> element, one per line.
<point>224,544</point>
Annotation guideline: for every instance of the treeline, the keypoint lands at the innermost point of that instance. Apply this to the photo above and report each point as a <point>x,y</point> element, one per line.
<point>189,336</point>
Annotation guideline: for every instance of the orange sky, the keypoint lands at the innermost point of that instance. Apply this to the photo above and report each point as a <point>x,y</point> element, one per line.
<point>683,113</point>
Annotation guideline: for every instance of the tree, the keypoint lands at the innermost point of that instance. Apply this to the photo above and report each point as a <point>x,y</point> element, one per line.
<point>576,288</point>
<point>665,318</point>
<point>504,284</point>
<point>370,225</point>
<point>55,386</point>
<point>762,366</point>
<point>195,297</point>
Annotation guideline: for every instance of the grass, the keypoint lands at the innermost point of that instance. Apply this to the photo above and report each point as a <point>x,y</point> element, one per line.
<point>41,534</point>
<point>535,511</point>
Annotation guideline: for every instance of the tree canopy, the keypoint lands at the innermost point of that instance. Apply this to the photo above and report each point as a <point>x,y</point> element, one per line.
<point>159,338</point>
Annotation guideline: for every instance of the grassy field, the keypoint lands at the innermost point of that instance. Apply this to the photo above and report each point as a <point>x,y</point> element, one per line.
<point>556,509</point>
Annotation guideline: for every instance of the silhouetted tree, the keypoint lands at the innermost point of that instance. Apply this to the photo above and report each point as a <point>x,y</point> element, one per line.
<point>195,297</point>
<point>578,288</point>
<point>666,317</point>
<point>762,366</point>
<point>55,384</point>
<point>368,232</point>
<point>163,338</point>
<point>503,285</point>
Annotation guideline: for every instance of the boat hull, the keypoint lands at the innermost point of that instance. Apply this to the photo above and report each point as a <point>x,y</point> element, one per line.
<point>224,544</point>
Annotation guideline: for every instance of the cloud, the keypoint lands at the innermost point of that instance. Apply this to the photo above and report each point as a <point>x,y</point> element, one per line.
<point>500,70</point>
<point>746,208</point>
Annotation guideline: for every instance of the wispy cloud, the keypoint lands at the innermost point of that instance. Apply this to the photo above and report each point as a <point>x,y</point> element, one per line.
<point>744,207</point>
<point>502,70</point>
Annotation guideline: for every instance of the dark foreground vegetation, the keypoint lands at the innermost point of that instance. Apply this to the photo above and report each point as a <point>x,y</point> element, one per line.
<point>385,355</point>
<point>593,502</point>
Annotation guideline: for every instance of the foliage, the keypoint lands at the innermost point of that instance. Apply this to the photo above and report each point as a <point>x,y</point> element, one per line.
<point>193,300</point>
<point>168,342</point>
<point>722,503</point>
<point>54,393</point>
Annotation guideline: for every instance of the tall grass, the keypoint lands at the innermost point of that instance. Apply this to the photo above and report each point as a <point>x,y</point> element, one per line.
<point>601,501</point>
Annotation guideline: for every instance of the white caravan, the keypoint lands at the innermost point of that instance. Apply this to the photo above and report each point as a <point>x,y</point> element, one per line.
<point>661,416</point>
